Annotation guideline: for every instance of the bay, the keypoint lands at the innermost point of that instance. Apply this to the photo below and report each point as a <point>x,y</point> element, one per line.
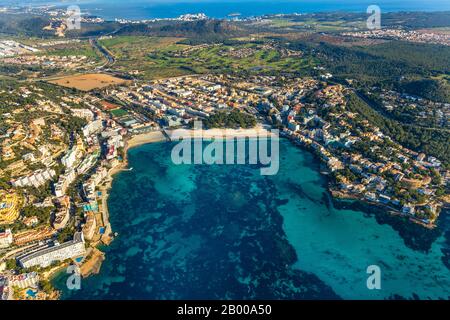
<point>226,232</point>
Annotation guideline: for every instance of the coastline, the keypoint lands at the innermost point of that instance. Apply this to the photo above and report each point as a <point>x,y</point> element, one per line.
<point>135,141</point>
<point>222,10</point>
<point>105,187</point>
<point>165,136</point>
<point>222,134</point>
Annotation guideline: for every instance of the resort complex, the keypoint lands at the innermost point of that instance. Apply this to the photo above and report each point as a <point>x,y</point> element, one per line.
<point>56,253</point>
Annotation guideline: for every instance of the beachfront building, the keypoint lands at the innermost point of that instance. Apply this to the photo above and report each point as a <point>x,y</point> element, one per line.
<point>89,190</point>
<point>59,252</point>
<point>89,187</point>
<point>88,163</point>
<point>6,238</point>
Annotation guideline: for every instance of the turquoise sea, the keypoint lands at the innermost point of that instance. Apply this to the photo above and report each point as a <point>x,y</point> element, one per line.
<point>226,232</point>
<point>147,9</point>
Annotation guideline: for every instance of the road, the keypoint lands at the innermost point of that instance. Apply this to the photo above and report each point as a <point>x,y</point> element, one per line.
<point>109,57</point>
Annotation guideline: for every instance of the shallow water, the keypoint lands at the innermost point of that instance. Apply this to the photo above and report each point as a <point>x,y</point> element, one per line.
<point>226,232</point>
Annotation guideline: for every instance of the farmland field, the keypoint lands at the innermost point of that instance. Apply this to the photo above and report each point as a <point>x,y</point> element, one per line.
<point>82,48</point>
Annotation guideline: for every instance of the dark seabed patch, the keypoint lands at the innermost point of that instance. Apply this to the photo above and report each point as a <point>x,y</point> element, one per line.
<point>226,232</point>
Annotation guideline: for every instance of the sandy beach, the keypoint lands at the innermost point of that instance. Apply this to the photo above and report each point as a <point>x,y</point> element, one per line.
<point>158,136</point>
<point>155,136</point>
<point>258,131</point>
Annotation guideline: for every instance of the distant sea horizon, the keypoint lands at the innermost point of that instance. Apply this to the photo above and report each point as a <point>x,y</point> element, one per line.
<point>152,9</point>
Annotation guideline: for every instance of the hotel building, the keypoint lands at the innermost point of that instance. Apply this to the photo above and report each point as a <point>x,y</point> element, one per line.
<point>59,252</point>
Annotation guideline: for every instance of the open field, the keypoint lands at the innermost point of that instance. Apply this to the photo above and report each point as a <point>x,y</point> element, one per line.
<point>443,30</point>
<point>124,45</point>
<point>246,57</point>
<point>87,82</point>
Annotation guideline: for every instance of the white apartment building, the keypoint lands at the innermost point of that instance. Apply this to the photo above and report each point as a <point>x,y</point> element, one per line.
<point>37,179</point>
<point>90,185</point>
<point>115,141</point>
